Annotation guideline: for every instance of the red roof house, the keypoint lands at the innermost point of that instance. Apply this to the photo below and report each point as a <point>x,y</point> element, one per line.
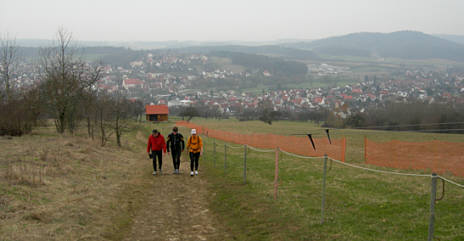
<point>132,83</point>
<point>156,112</point>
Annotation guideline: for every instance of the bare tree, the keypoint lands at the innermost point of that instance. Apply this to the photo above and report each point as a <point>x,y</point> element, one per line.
<point>65,81</point>
<point>121,109</point>
<point>89,100</point>
<point>89,111</point>
<point>8,54</point>
<point>103,116</point>
<point>189,112</point>
<point>20,108</point>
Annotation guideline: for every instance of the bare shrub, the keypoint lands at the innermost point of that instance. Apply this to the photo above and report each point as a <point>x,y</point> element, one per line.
<point>25,173</point>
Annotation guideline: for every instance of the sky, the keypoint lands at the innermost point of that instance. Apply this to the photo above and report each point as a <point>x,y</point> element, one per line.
<point>219,20</point>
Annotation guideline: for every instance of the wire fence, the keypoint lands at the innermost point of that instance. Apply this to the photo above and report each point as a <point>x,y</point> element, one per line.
<point>440,157</point>
<point>335,148</point>
<point>325,159</point>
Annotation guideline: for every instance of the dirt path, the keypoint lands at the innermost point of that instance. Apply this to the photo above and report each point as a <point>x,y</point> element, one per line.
<point>177,208</point>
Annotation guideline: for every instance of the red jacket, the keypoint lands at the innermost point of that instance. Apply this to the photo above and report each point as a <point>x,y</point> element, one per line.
<point>156,143</point>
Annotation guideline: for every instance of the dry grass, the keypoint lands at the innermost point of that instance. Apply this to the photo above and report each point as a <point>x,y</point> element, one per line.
<point>66,187</point>
<point>26,173</point>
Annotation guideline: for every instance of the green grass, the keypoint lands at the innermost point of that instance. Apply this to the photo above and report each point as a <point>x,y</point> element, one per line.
<point>359,205</point>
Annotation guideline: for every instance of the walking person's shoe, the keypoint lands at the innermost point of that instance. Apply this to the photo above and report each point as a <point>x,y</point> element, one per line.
<point>175,171</point>
<point>154,173</point>
<point>196,172</point>
<point>191,173</point>
<point>160,172</point>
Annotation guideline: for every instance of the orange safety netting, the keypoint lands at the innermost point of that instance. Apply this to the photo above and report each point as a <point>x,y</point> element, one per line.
<point>437,156</point>
<point>294,144</point>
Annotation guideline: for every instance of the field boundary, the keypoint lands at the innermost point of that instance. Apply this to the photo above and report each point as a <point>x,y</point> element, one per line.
<point>434,177</point>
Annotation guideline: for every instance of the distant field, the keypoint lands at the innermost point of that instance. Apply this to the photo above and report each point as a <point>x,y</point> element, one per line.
<point>385,66</point>
<point>360,205</point>
<point>393,61</point>
<point>226,63</point>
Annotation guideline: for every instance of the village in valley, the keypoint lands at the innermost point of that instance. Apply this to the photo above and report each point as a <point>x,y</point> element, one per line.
<point>180,80</point>
<point>231,120</point>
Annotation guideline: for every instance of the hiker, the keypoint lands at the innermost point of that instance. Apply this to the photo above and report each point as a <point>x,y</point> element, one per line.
<point>195,148</point>
<point>157,146</point>
<point>176,145</point>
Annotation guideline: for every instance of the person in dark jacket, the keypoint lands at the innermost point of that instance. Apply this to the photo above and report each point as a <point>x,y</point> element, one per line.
<point>176,145</point>
<point>157,146</point>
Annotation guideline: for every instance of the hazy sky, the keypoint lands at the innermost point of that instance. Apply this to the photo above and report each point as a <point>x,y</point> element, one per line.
<point>217,20</point>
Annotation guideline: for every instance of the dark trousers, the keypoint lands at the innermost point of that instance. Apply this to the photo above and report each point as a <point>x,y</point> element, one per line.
<point>194,158</point>
<point>158,154</point>
<point>176,158</point>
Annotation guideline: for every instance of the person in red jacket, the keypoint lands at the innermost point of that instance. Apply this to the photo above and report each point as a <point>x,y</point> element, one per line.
<point>157,145</point>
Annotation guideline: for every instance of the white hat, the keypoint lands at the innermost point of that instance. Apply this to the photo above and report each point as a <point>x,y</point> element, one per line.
<point>194,131</point>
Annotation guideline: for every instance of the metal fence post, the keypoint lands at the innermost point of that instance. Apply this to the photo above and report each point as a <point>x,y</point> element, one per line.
<point>324,174</point>
<point>244,163</point>
<point>205,151</point>
<point>433,197</point>
<point>225,156</point>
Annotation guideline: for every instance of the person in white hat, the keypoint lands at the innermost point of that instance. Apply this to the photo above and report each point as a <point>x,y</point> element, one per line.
<point>195,148</point>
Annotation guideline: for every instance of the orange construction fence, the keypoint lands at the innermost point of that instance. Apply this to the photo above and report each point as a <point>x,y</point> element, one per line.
<point>294,144</point>
<point>437,156</point>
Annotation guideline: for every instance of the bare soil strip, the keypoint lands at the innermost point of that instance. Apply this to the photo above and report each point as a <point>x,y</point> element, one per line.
<point>177,207</point>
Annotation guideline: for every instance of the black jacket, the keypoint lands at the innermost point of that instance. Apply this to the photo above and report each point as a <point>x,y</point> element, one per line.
<point>175,142</point>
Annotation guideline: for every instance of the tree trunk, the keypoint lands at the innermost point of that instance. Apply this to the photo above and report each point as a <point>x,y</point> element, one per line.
<point>89,127</point>
<point>59,123</point>
<point>102,129</point>
<point>118,130</point>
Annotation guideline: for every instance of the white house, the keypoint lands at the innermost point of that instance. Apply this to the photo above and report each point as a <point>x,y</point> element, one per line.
<point>132,83</point>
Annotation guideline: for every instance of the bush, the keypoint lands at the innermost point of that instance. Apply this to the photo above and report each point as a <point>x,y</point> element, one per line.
<point>20,113</point>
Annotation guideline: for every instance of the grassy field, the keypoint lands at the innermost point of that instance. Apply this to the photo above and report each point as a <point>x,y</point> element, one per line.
<point>61,187</point>
<point>55,187</point>
<point>355,138</point>
<point>359,205</point>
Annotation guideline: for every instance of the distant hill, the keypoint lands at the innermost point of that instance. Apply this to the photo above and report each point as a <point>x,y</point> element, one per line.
<point>276,66</point>
<point>454,38</point>
<point>271,50</point>
<point>249,57</point>
<point>109,55</point>
<point>146,45</point>
<point>402,44</point>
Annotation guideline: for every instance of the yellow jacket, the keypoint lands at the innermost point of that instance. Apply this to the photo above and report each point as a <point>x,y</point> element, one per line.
<point>194,144</point>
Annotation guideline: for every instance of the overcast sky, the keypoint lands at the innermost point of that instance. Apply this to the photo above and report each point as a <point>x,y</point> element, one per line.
<point>218,20</point>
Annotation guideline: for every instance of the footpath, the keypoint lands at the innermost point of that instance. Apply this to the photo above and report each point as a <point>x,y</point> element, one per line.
<point>176,207</point>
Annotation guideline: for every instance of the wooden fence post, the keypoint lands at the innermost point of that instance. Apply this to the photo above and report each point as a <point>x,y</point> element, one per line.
<point>276,174</point>
<point>365,149</point>
<point>245,163</point>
